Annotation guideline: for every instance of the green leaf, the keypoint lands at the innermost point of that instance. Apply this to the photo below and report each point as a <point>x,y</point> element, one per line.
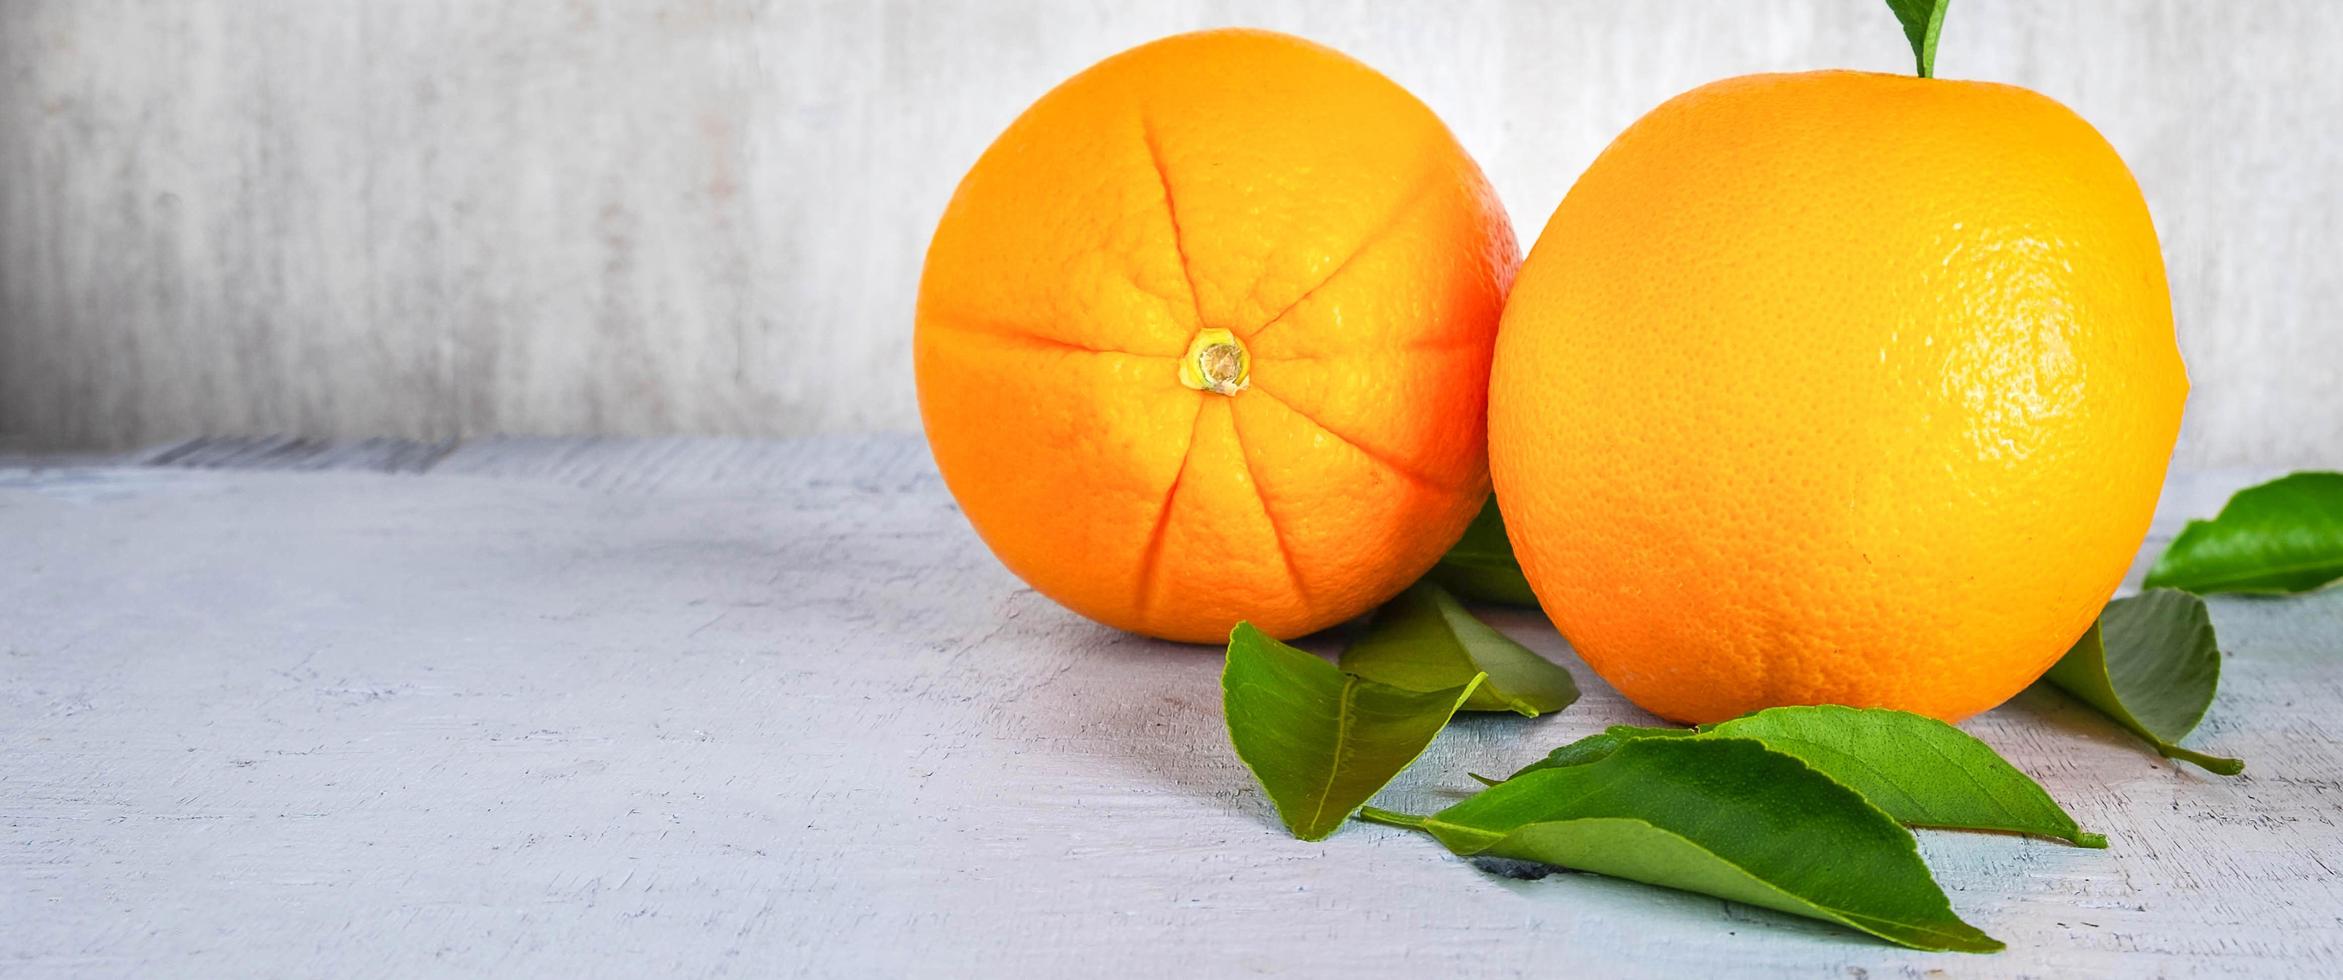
<point>1481,566</point>
<point>1720,816</point>
<point>1599,746</point>
<point>1321,741</point>
<point>1424,640</point>
<point>1923,20</point>
<point>1919,770</point>
<point>2151,663</point>
<point>2280,537</point>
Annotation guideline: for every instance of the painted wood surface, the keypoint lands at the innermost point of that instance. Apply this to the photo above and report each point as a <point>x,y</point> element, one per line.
<point>729,707</point>
<point>440,218</point>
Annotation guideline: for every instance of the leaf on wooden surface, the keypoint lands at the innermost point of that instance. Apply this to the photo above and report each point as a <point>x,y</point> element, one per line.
<point>2150,663</point>
<point>1923,20</point>
<point>1720,816</point>
<point>2281,537</point>
<point>1320,741</point>
<point>1424,640</point>
<point>1481,566</point>
<point>1916,769</point>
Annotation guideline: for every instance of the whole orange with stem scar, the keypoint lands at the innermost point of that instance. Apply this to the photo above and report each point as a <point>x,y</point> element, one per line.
<point>1836,387</point>
<point>1205,336</point>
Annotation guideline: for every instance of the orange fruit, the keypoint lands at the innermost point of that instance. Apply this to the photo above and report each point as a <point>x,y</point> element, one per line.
<point>1836,388</point>
<point>1205,336</point>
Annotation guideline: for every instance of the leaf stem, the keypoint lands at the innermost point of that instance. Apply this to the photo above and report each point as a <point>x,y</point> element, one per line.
<point>2211,763</point>
<point>1390,818</point>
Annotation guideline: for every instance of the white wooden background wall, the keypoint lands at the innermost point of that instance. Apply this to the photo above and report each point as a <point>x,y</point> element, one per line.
<point>429,218</point>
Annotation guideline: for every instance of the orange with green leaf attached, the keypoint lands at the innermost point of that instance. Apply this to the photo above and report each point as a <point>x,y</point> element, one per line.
<point>1205,337</point>
<point>1837,387</point>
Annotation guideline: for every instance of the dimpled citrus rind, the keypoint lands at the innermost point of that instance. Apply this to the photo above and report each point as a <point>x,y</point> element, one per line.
<point>1836,388</point>
<point>1237,181</point>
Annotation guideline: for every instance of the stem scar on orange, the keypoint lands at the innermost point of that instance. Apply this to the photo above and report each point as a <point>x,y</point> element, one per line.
<point>1836,388</point>
<point>1205,336</point>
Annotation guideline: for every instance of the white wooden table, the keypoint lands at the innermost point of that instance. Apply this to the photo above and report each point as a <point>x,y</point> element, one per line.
<point>542,707</point>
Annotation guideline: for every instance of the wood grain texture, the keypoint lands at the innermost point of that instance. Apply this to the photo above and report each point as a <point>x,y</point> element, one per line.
<point>438,218</point>
<point>715,707</point>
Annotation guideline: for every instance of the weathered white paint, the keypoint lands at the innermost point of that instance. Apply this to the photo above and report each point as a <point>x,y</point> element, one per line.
<point>725,707</point>
<point>433,218</point>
